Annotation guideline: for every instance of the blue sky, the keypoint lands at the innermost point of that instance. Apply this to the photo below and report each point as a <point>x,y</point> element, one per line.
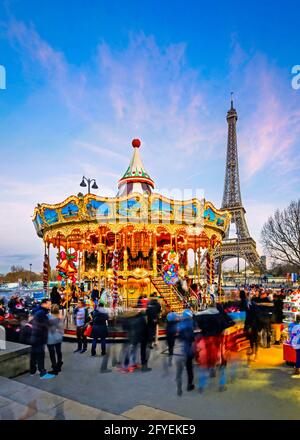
<point>85,77</point>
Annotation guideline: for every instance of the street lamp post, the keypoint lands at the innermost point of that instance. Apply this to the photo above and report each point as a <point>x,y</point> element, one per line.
<point>87,183</point>
<point>30,265</point>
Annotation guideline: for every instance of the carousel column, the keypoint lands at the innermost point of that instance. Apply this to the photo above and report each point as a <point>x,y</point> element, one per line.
<point>212,269</point>
<point>98,266</point>
<point>125,256</point>
<point>45,271</point>
<point>105,273</point>
<point>187,259</point>
<point>49,268</point>
<point>208,270</point>
<point>155,256</point>
<point>220,273</point>
<point>199,265</point>
<point>78,269</point>
<point>125,267</point>
<point>115,273</point>
<point>195,265</point>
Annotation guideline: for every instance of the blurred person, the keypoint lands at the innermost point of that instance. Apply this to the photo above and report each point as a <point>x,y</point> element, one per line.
<point>35,306</point>
<point>82,318</point>
<point>55,338</point>
<point>277,317</point>
<point>171,330</point>
<point>294,338</point>
<point>12,324</point>
<point>251,327</point>
<point>139,302</point>
<point>2,310</point>
<point>264,311</point>
<point>129,352</point>
<point>100,328</point>
<point>74,294</point>
<point>39,338</point>
<point>137,330</point>
<point>142,338</point>
<point>12,304</point>
<point>102,296</point>
<point>243,301</point>
<point>211,323</point>
<point>55,296</point>
<point>144,302</point>
<point>25,332</point>
<point>184,351</point>
<point>153,311</point>
<point>63,295</point>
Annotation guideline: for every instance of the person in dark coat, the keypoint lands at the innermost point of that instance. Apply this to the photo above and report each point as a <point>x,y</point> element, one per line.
<point>25,333</point>
<point>277,317</point>
<point>243,301</point>
<point>55,296</point>
<point>135,326</point>
<point>39,338</point>
<point>139,302</point>
<point>171,330</point>
<point>12,304</point>
<point>95,295</point>
<point>212,322</point>
<point>251,328</point>
<point>264,312</point>
<point>184,350</point>
<point>141,336</point>
<point>100,329</point>
<point>81,317</point>
<point>152,312</point>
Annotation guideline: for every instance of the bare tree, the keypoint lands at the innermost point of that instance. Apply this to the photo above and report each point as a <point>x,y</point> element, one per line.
<point>281,235</point>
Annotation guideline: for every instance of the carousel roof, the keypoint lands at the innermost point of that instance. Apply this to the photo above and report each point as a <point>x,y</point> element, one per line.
<point>135,179</point>
<point>135,206</point>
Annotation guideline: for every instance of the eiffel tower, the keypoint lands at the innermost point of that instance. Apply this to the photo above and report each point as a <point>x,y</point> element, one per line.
<point>243,246</point>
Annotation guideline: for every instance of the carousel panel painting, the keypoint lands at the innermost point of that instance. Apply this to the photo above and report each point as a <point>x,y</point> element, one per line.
<point>221,220</point>
<point>209,215</point>
<point>161,209</point>
<point>97,208</point>
<point>188,213</point>
<point>70,211</point>
<point>38,223</point>
<point>129,208</point>
<point>51,216</point>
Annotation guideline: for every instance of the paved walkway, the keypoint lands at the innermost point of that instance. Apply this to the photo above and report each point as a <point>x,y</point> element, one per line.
<point>264,391</point>
<point>23,402</point>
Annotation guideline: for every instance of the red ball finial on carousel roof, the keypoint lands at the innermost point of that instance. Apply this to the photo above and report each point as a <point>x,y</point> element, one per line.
<point>136,143</point>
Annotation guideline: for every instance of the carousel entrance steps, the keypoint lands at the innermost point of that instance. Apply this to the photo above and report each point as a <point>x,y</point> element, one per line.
<point>167,293</point>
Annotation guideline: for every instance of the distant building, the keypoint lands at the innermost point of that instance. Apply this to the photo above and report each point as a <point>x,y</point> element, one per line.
<point>263,260</point>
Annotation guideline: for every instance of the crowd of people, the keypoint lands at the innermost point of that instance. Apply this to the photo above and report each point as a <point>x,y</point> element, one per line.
<point>207,338</point>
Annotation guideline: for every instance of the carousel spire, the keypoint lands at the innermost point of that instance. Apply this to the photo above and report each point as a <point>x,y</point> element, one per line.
<point>135,179</point>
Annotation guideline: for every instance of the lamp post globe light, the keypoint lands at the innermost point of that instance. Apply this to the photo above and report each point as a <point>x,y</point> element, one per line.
<point>86,182</point>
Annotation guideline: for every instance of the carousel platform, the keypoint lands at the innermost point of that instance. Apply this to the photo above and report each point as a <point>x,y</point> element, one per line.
<point>115,335</point>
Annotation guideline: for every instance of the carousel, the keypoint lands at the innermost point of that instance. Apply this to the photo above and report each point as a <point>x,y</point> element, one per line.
<point>134,244</point>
